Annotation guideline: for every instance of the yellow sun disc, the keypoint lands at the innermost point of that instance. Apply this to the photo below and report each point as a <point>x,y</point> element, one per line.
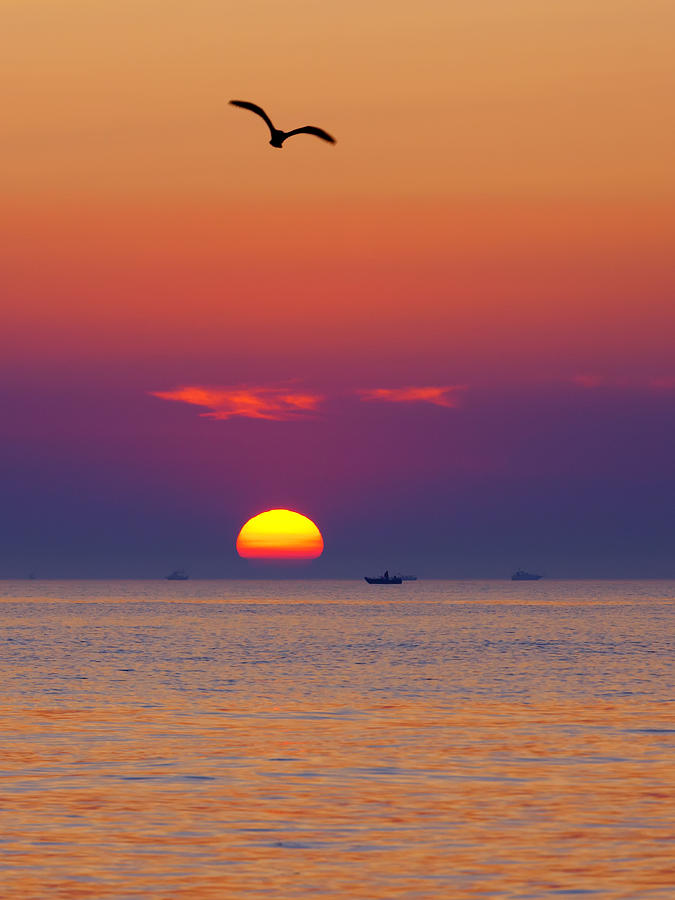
<point>280,534</point>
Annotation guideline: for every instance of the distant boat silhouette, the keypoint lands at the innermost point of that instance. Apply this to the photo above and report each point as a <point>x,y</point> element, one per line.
<point>521,575</point>
<point>384,579</point>
<point>178,575</point>
<point>278,137</point>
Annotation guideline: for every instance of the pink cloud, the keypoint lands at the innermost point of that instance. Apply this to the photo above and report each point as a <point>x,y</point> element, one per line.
<point>589,381</point>
<point>277,404</point>
<point>663,383</point>
<point>657,383</point>
<point>446,395</point>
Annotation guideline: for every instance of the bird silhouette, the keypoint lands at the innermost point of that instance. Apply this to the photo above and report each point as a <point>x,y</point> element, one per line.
<point>278,137</point>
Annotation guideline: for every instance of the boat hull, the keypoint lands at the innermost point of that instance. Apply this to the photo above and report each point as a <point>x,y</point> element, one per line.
<point>383,580</point>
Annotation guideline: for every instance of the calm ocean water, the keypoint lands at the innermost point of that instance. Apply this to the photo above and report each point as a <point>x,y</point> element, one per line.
<point>332,739</point>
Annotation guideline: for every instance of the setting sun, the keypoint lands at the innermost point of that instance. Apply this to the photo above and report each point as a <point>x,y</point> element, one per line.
<point>280,534</point>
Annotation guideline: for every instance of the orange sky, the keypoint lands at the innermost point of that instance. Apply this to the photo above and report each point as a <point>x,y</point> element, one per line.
<point>428,98</point>
<point>503,163</point>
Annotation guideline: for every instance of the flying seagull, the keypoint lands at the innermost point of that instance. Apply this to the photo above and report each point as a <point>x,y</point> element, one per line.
<point>278,137</point>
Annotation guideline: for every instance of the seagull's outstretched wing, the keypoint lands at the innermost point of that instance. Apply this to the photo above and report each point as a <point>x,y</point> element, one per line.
<point>311,129</point>
<point>258,110</point>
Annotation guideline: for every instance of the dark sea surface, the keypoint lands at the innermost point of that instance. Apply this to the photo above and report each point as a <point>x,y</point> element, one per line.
<point>302,739</point>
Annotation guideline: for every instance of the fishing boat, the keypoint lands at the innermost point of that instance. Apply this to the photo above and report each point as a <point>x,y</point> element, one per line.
<point>521,575</point>
<point>177,575</point>
<point>384,579</point>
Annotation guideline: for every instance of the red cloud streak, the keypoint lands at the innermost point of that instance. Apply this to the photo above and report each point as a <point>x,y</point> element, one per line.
<point>446,395</point>
<point>277,404</point>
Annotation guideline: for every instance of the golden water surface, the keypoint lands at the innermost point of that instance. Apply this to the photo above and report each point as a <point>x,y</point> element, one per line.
<point>331,739</point>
